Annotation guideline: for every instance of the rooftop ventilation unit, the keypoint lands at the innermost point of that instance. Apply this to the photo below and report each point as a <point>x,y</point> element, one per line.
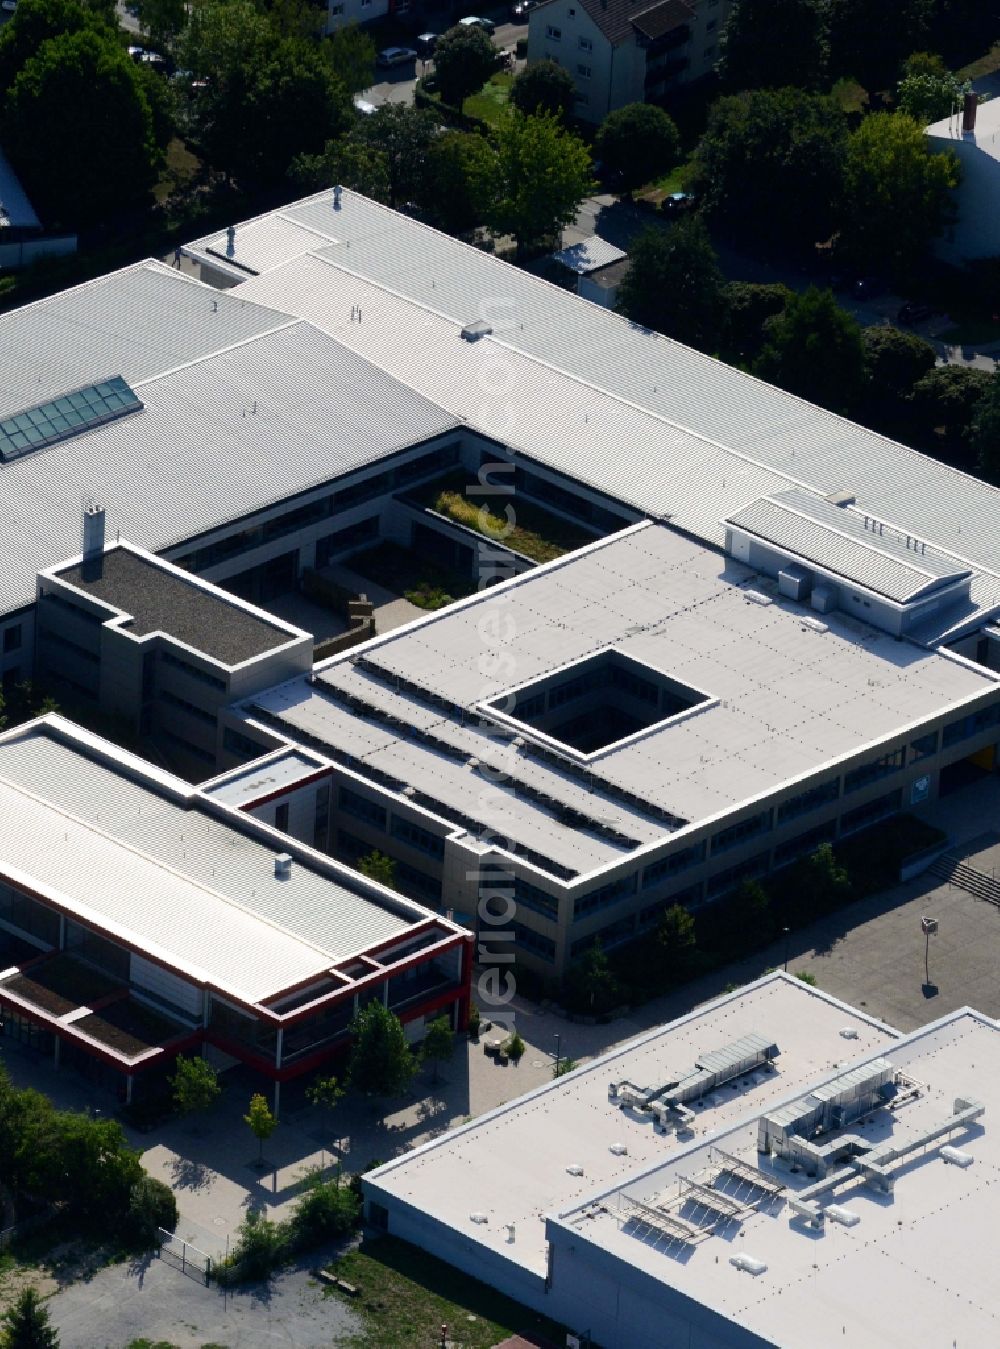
<point>748,1263</point>
<point>283,866</point>
<point>472,332</point>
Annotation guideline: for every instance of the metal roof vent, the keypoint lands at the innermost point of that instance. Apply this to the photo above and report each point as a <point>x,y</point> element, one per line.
<point>472,332</point>
<point>337,193</point>
<point>749,1263</point>
<point>282,866</point>
<point>478,1218</point>
<point>619,1149</point>
<point>842,498</point>
<point>575,1169</point>
<point>848,1033</point>
<point>838,1214</point>
<point>956,1156</point>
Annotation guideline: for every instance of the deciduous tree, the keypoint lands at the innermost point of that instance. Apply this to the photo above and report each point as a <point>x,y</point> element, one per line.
<point>377,867</point>
<point>985,432</point>
<point>350,53</point>
<point>636,144</point>
<point>814,349</point>
<point>676,940</point>
<point>543,174</point>
<point>439,1043</point>
<point>748,305</point>
<point>543,87</point>
<point>381,1063</point>
<point>897,193</point>
<point>195,1084</point>
<point>946,402</point>
<point>894,362</point>
<point>458,178</point>
<point>674,284</point>
<point>768,44</point>
<point>403,135</point>
<point>464,59</point>
<point>261,1121</point>
<point>869,40</point>
<point>769,168</point>
<point>79,130</point>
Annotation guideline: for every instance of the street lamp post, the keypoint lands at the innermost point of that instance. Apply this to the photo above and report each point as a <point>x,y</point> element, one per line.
<point>785,931</point>
<point>557,1053</point>
<point>928,927</point>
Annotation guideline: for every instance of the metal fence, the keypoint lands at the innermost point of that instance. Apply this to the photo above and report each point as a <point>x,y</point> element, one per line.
<point>189,1259</point>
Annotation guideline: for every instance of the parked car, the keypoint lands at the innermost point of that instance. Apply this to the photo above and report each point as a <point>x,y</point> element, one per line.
<point>914,312</point>
<point>363,106</point>
<point>677,203</point>
<point>474,21</point>
<point>426,43</point>
<point>520,11</point>
<point>390,57</point>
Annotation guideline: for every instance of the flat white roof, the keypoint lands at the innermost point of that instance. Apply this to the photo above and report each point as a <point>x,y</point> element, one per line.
<point>986,136</point>
<point>511,1164</point>
<point>259,778</point>
<point>787,693</point>
<point>140,857</point>
<point>589,255</point>
<point>916,1268</point>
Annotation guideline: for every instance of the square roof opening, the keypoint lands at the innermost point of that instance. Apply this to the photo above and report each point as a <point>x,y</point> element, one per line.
<point>598,701</point>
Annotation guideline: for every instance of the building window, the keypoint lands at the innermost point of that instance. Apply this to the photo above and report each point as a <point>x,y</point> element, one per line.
<point>321,822</point>
<point>583,71</point>
<point>741,831</point>
<point>672,864</point>
<point>529,896</point>
<point>237,743</point>
<point>585,44</point>
<point>612,893</point>
<point>417,837</point>
<point>808,800</point>
<point>529,940</point>
<point>12,638</point>
<point>353,803</point>
<point>924,747</point>
<point>871,772</point>
<point>554,34</point>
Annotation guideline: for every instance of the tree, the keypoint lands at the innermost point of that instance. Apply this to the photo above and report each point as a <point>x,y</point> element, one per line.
<point>636,144</point>
<point>23,703</point>
<point>928,97</point>
<point>897,193</point>
<point>769,168</point>
<point>592,985</point>
<point>544,87</point>
<point>768,44</point>
<point>985,432</point>
<point>267,98</point>
<point>464,59</point>
<point>35,22</point>
<point>352,163</point>
<point>564,1066</point>
<point>403,135</point>
<point>869,42</point>
<point>325,1092</point>
<point>515,1048</point>
<point>458,177</point>
<point>79,130</point>
<point>894,362</point>
<point>543,174</point>
<point>261,1121</point>
<point>827,882</point>
<point>195,1084</point>
<point>748,305</point>
<point>751,917</point>
<point>381,1063</point>
<point>26,1324</point>
<point>377,867</point>
<point>814,349</point>
<point>674,284</point>
<point>162,21</point>
<point>350,53</point>
<point>439,1043</point>
<point>677,942</point>
<point>946,402</point>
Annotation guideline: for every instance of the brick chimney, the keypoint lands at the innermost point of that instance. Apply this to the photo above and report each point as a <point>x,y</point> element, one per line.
<point>969,112</point>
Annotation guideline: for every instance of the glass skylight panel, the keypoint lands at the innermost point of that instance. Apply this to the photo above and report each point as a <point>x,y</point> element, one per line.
<point>66,416</point>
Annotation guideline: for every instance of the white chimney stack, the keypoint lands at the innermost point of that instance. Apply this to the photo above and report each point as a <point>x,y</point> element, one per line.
<point>337,192</point>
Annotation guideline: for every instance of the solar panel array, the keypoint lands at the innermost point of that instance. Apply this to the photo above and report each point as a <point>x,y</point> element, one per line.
<point>66,416</point>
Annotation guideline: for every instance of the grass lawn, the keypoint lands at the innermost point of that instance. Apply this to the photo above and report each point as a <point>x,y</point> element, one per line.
<point>491,99</point>
<point>674,181</point>
<point>536,532</point>
<point>180,169</point>
<point>986,65</point>
<point>410,575</point>
<point>406,1295</point>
